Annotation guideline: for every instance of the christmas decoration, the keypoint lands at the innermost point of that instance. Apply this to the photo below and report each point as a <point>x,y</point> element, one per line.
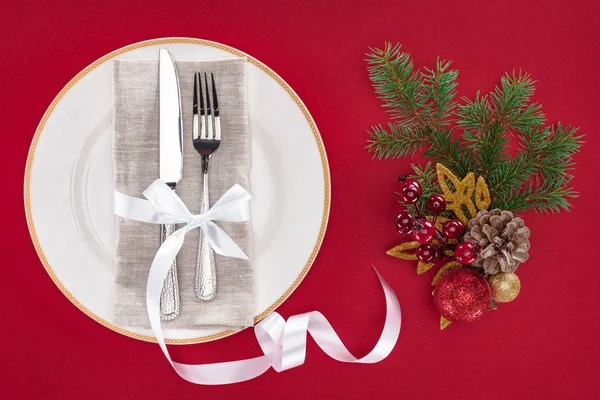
<point>425,252</point>
<point>505,286</point>
<point>423,231</point>
<point>444,323</point>
<point>466,253</point>
<point>462,295</point>
<point>439,255</point>
<point>471,237</point>
<point>453,229</point>
<point>503,239</point>
<point>462,196</point>
<point>403,251</point>
<point>410,191</point>
<point>405,222</point>
<point>436,204</point>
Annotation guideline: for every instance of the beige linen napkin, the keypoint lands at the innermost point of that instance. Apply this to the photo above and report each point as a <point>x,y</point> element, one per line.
<point>136,162</point>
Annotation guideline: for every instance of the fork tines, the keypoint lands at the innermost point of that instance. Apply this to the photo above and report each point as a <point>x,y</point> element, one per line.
<point>206,120</point>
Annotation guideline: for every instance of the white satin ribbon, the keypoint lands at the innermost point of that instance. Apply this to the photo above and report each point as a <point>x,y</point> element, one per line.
<point>283,343</point>
<point>165,207</point>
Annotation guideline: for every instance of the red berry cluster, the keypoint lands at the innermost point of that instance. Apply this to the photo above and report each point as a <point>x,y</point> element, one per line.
<point>423,231</point>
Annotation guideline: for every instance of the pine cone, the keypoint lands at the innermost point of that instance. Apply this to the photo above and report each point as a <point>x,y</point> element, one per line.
<point>504,240</point>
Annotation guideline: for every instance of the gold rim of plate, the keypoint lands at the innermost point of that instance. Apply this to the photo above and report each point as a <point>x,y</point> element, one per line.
<point>162,41</point>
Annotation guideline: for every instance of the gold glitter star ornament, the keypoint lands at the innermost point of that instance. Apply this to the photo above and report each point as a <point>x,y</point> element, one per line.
<point>459,193</point>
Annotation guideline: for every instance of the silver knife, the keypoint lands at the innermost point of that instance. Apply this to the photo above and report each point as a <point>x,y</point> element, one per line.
<point>171,165</point>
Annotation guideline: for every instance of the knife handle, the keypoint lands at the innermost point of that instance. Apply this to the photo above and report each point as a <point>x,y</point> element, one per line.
<point>169,298</point>
<point>206,272</point>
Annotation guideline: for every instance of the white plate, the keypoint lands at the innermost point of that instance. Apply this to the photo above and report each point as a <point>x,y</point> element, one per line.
<point>69,186</point>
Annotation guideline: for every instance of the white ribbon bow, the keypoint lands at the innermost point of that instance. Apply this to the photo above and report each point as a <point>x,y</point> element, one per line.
<point>283,343</point>
<point>165,207</point>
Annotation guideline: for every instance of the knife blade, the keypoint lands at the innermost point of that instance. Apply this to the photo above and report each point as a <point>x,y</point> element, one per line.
<point>171,132</point>
<point>170,164</point>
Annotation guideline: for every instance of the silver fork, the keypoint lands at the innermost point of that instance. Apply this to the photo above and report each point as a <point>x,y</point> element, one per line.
<point>206,131</point>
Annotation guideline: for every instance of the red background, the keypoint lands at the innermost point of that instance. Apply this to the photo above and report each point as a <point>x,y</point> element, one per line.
<point>544,345</point>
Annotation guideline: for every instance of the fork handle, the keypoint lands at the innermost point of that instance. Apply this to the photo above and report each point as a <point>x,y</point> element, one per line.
<point>206,272</point>
<point>169,297</point>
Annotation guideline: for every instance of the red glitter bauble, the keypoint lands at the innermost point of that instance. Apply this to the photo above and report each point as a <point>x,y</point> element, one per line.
<point>462,295</point>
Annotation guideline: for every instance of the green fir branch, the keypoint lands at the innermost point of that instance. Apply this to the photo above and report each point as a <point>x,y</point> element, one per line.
<point>448,151</point>
<point>398,140</point>
<point>426,117</point>
<point>401,90</point>
<point>547,197</point>
<point>511,174</point>
<point>510,102</point>
<point>440,88</point>
<point>546,151</point>
<point>427,176</point>
<point>475,114</point>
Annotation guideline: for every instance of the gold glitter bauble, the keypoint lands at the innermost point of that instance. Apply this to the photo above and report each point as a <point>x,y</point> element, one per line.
<point>505,286</point>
